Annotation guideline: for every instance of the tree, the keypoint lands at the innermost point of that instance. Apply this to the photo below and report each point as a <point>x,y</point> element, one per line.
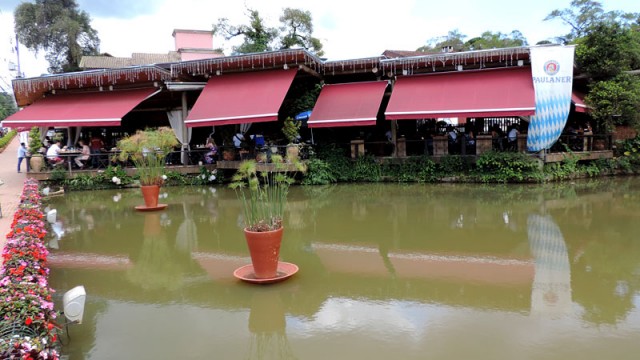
<point>60,29</point>
<point>615,101</point>
<point>297,30</point>
<point>453,40</point>
<point>583,15</point>
<point>7,106</point>
<point>607,50</point>
<point>257,36</point>
<point>490,40</point>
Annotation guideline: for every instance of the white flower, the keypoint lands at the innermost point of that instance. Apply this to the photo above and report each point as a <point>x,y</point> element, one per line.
<point>116,180</point>
<point>212,177</point>
<point>203,176</point>
<point>164,177</point>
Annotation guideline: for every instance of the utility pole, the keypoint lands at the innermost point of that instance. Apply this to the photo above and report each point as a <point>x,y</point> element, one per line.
<point>18,56</point>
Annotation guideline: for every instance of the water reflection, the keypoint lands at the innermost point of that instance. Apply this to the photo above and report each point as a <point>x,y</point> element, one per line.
<point>386,271</point>
<point>551,293</point>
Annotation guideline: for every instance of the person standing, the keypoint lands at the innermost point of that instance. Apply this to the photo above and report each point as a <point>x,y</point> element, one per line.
<point>23,154</point>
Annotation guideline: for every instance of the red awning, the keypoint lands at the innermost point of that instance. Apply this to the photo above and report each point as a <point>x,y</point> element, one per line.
<point>105,108</point>
<point>352,104</point>
<point>578,100</point>
<point>241,98</point>
<point>484,93</point>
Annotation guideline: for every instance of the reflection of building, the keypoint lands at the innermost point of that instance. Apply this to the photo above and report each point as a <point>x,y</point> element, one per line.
<point>551,294</point>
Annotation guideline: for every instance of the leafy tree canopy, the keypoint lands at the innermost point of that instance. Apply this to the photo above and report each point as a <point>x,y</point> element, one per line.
<point>608,47</point>
<point>58,28</point>
<point>615,101</point>
<point>296,30</point>
<point>490,40</point>
<point>257,37</point>
<point>607,50</point>
<point>454,40</point>
<point>7,106</point>
<point>583,15</point>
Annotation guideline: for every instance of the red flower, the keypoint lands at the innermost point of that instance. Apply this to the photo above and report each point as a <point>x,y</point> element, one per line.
<point>28,321</point>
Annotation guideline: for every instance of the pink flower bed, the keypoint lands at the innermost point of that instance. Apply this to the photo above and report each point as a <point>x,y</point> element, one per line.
<point>25,297</point>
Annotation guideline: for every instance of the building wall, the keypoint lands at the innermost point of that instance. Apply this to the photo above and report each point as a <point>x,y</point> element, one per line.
<point>193,39</point>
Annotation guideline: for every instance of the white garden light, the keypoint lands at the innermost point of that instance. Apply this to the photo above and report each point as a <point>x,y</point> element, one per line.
<point>73,304</point>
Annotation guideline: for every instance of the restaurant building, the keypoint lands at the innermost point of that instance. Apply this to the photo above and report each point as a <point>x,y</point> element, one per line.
<point>391,105</point>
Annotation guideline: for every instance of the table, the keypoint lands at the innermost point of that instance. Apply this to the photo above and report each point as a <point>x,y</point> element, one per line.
<point>69,156</point>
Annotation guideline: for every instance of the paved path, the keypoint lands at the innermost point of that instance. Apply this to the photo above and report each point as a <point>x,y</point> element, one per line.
<point>12,188</point>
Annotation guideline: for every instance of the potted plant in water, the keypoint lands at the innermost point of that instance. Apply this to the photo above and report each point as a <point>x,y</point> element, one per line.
<point>148,150</point>
<point>263,195</point>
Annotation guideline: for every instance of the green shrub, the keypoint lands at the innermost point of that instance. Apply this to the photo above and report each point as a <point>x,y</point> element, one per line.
<point>507,167</point>
<point>6,139</point>
<point>318,173</point>
<point>420,169</point>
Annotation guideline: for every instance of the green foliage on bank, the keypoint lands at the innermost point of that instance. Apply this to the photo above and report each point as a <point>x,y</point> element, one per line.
<point>6,139</point>
<point>333,165</point>
<point>115,177</point>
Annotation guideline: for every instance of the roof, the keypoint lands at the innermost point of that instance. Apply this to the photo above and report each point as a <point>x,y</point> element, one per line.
<point>112,62</point>
<point>391,54</point>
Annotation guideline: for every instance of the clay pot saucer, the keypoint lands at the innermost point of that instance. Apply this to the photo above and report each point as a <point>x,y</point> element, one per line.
<point>285,271</point>
<point>151,208</point>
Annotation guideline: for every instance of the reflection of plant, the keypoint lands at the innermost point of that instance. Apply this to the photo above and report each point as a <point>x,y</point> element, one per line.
<point>156,267</point>
<point>148,150</point>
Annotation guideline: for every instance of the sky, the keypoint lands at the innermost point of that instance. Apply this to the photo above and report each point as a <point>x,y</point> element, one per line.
<point>348,29</point>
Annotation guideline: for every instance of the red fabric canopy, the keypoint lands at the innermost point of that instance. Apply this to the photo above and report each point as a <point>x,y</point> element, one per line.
<point>352,104</point>
<point>483,93</point>
<point>241,98</point>
<point>578,100</point>
<point>105,108</point>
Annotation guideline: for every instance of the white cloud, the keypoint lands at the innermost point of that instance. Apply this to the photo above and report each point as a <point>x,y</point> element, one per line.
<point>348,29</point>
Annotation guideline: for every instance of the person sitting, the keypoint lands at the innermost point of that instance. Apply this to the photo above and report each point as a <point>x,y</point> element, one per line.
<point>85,154</point>
<point>512,138</point>
<point>53,154</point>
<point>497,137</point>
<point>238,140</point>
<point>212,154</point>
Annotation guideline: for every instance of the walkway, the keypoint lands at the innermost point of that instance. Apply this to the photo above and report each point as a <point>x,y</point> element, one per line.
<point>12,188</point>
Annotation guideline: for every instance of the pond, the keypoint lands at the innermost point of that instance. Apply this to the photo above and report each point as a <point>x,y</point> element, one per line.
<point>386,271</point>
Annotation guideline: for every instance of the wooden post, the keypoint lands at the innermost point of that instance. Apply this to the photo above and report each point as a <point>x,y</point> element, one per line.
<point>401,147</point>
<point>357,148</point>
<point>440,145</point>
<point>484,143</point>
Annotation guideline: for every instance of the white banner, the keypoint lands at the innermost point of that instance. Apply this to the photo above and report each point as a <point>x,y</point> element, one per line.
<point>552,71</point>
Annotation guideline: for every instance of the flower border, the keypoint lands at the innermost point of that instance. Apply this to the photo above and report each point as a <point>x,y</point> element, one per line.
<point>25,295</point>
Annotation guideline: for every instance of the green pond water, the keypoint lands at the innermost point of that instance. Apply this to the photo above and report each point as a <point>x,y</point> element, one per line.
<point>387,271</point>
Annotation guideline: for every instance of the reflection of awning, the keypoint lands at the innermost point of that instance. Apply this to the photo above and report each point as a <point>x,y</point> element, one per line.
<point>578,100</point>
<point>241,98</point>
<point>105,108</point>
<point>484,93</point>
<point>352,104</point>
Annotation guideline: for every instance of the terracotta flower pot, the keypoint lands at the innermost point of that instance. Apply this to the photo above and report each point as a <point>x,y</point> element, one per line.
<point>36,163</point>
<point>150,194</point>
<point>264,248</point>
